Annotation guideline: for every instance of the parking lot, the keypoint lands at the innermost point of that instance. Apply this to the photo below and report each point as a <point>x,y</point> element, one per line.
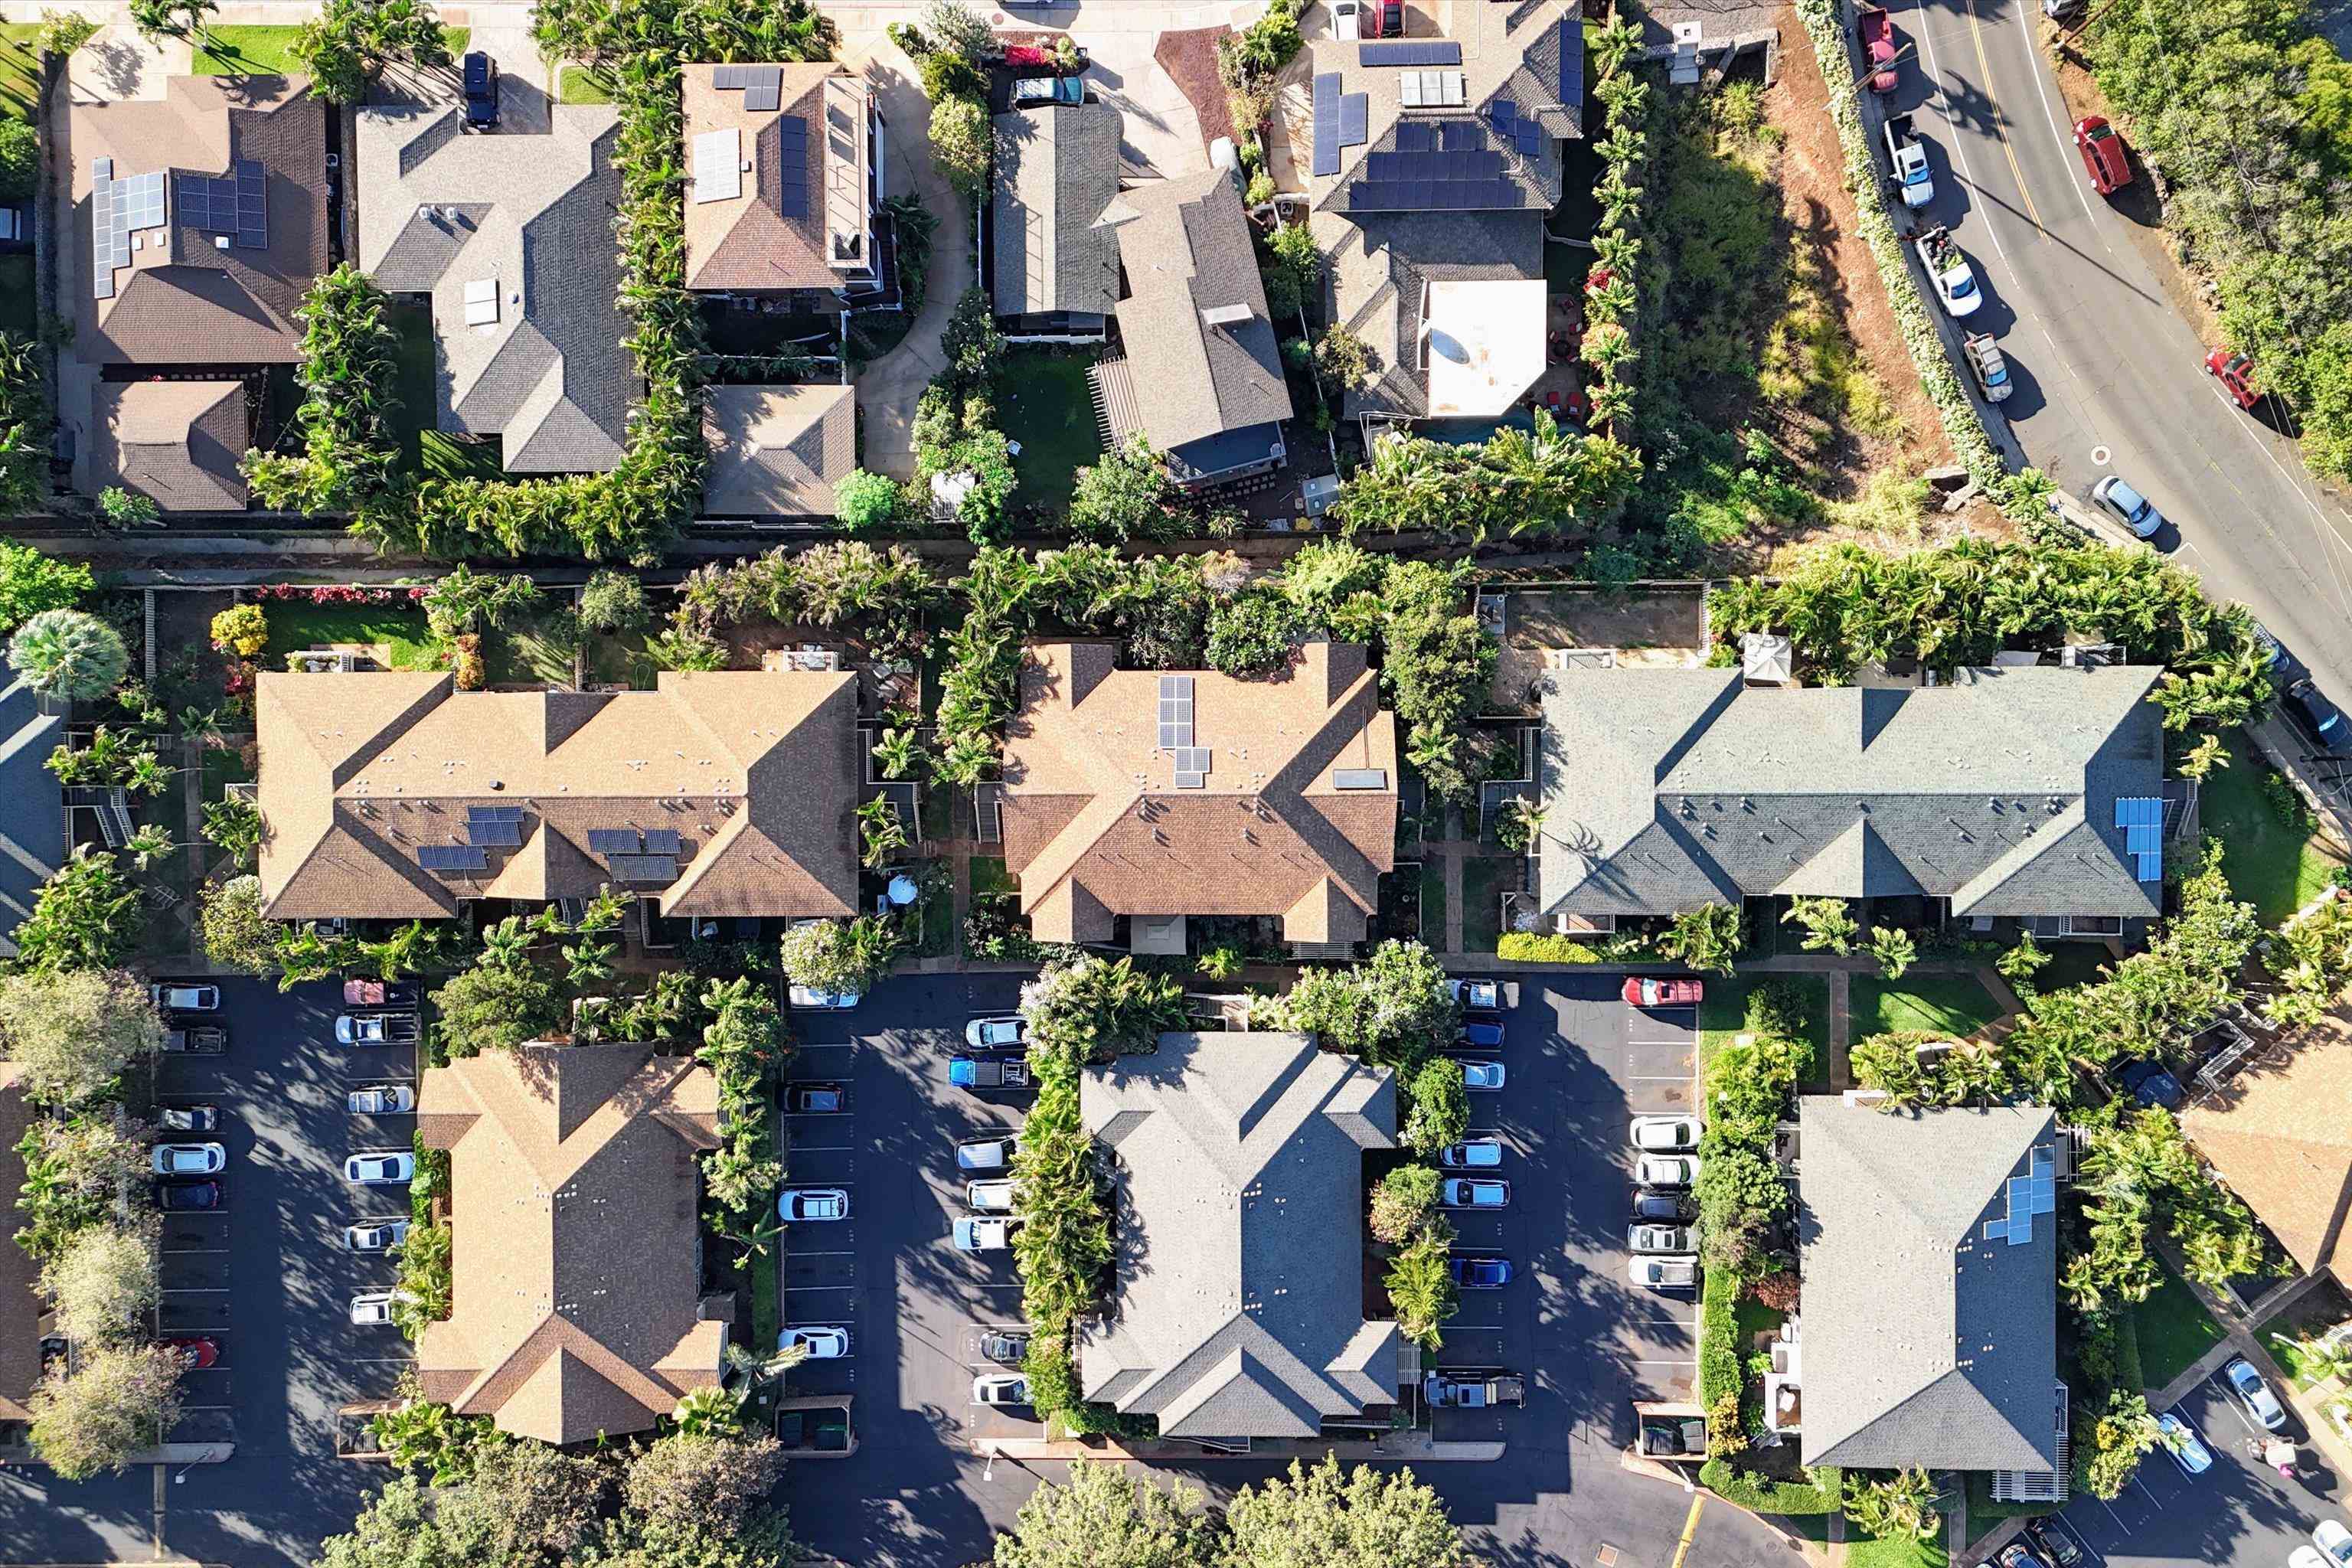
<point>2239,1512</point>
<point>268,1277</point>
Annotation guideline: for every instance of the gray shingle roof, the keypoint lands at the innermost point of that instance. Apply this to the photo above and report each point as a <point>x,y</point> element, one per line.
<point>1240,1307</point>
<point>1926,1343</point>
<point>177,442</point>
<point>1054,248</point>
<point>531,216</point>
<point>1665,789</point>
<point>777,451</point>
<point>1187,254</point>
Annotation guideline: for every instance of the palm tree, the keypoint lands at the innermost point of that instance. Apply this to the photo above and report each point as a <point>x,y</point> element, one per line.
<point>69,654</point>
<point>149,845</point>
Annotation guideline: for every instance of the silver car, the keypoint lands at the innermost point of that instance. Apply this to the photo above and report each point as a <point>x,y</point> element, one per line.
<point>1659,1238</point>
<point>984,1154</point>
<point>381,1167</point>
<point>375,1235</point>
<point>1662,1273</point>
<point>188,1159</point>
<point>382,1100</point>
<point>1000,1388</point>
<point>2130,508</point>
<point>2254,1394</point>
<point>988,1197</point>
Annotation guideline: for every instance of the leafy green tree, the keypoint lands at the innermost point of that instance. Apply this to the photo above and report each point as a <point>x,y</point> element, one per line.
<point>1393,1009</point>
<point>1250,635</point>
<point>1707,938</point>
<point>1828,923</point>
<point>72,1032</point>
<point>898,751</point>
<point>69,654</point>
<point>350,376</point>
<point>613,601</point>
<point>1440,1107</point>
<point>86,916</point>
<point>234,822</point>
<point>31,582</point>
<point>20,159</point>
<point>1420,1285</point>
<point>120,1399</point>
<point>79,1170</point>
<point>1895,950</point>
<point>1366,1519</point>
<point>1343,361</point>
<point>1547,481</point>
<point>1109,1516</point>
<point>63,32</point>
<point>2021,963</point>
<point>346,46</point>
<point>961,143</point>
<point>467,601</point>
<point>102,1284</point>
<point>2123,1432</point>
<point>1124,494</point>
<point>494,1006</point>
<point>952,25</point>
<point>1404,1203</point>
<point>1892,1502</point>
<point>1293,274</point>
<point>845,957</point>
<point>681,1478</point>
<point>864,502</point>
<point>1092,1008</point>
<point>25,427</point>
<point>127,509</point>
<point>526,1503</point>
<point>1741,1196</point>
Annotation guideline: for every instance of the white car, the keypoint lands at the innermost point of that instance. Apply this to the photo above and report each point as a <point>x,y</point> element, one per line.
<point>1347,20</point>
<point>1000,1388</point>
<point>1659,1238</point>
<point>824,1343</point>
<point>1475,1154</point>
<point>381,1167</point>
<point>382,1100</point>
<point>984,1154</point>
<point>2133,510</point>
<point>2254,1394</point>
<point>1948,269</point>
<point>984,1235</point>
<point>2332,1538</point>
<point>1461,1193</point>
<point>2307,1557</point>
<point>1662,1273</point>
<point>188,1159</point>
<point>1665,1171</point>
<point>799,1205</point>
<point>2188,1449</point>
<point>808,998</point>
<point>186,998</point>
<point>375,1235</point>
<point>1663,1134</point>
<point>995,1034</point>
<point>1478,995</point>
<point>371,1307</point>
<point>990,1197</point>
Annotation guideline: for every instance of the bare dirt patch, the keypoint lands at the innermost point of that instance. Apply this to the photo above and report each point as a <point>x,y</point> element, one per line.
<point>1190,58</point>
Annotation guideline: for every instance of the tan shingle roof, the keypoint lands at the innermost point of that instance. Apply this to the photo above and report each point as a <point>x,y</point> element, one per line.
<point>20,1305</point>
<point>755,771</point>
<point>576,1272</point>
<point>1095,826</point>
<point>777,451</point>
<point>177,442</point>
<point>2277,1136</point>
<point>745,242</point>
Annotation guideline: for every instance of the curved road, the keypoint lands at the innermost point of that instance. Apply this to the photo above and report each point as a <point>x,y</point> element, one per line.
<point>2109,378</point>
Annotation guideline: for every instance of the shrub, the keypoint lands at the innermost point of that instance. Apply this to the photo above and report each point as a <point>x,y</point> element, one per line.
<point>612,602</point>
<point>1439,1104</point>
<point>242,629</point>
<point>1419,1287</point>
<point>1250,635</point>
<point>108,1410</point>
<point>31,582</point>
<point>234,931</point>
<point>862,501</point>
<point>1527,947</point>
<point>1825,1495</point>
<point>960,142</point>
<point>846,957</point>
<point>1404,1202</point>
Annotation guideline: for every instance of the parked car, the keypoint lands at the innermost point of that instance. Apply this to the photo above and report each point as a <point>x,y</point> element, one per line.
<point>382,1100</point>
<point>2103,154</point>
<point>1667,1208</point>
<point>1659,1238</point>
<point>2333,1541</point>
<point>1347,20</point>
<point>1877,31</point>
<point>1662,1273</point>
<point>1048,90</point>
<point>984,1154</point>
<point>1661,991</point>
<point>2254,1394</point>
<point>1005,1347</point>
<point>995,1034</point>
<point>1948,269</point>
<point>824,1343</point>
<point>188,1159</point>
<point>174,999</point>
<point>809,999</point>
<point>198,1352</point>
<point>1907,156</point>
<point>200,1039</point>
<point>2131,507</point>
<point>1663,1134</point>
<point>1384,19</point>
<point>1986,366</point>
<point>2149,1083</point>
<point>1472,1154</point>
<point>174,1196</point>
<point>380,1167</point>
<point>1463,1193</point>
<point>1665,1171</point>
<point>2320,718</point>
<point>1482,1075</point>
<point>1479,1034</point>
<point>1000,1388</point>
<point>375,1028</point>
<point>1478,995</point>
<point>378,994</point>
<point>2017,1555</point>
<point>2236,374</point>
<point>988,1197</point>
<point>187,1117</point>
<point>984,1235</point>
<point>800,1205</point>
<point>1479,1271</point>
<point>1443,1393</point>
<point>814,1099</point>
<point>2307,1557</point>
<point>375,1235</point>
<point>370,1308</point>
<point>988,1072</point>
<point>481,90</point>
<point>2058,1545</point>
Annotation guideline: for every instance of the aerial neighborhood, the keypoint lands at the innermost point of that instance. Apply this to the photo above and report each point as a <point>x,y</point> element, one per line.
<point>1118,785</point>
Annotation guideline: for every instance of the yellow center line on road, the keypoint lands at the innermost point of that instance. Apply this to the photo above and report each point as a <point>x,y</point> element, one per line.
<point>1690,1527</point>
<point>1976,31</point>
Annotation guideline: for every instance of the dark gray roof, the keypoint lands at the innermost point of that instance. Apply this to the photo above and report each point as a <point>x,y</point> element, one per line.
<point>1240,1308</point>
<point>1188,257</point>
<point>1381,261</point>
<point>1056,170</point>
<point>32,806</point>
<point>1928,1339</point>
<point>1665,789</point>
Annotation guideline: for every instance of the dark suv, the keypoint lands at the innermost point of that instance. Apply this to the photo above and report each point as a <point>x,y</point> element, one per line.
<point>481,90</point>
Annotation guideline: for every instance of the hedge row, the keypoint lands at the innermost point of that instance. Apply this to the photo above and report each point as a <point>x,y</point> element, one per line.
<point>1720,1372</point>
<point>1526,947</point>
<point>1825,1495</point>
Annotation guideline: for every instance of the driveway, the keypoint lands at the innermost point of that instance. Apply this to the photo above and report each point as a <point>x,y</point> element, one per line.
<point>268,1276</point>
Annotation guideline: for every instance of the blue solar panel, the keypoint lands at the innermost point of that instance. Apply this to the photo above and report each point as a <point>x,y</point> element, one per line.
<point>494,835</point>
<point>792,162</point>
<point>1353,112</point>
<point>452,857</point>
<point>1462,136</point>
<point>612,841</point>
<point>1571,67</point>
<point>1410,52</point>
<point>1326,123</point>
<point>1528,137</point>
<point>2139,811</point>
<point>661,841</point>
<point>1504,113</point>
<point>2142,838</point>
<point>1413,136</point>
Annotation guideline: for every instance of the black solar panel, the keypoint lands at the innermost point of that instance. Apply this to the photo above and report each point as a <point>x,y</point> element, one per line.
<point>1528,138</point>
<point>494,814</point>
<point>1413,136</point>
<point>494,835</point>
<point>792,195</point>
<point>612,841</point>
<point>1462,136</point>
<point>1435,196</point>
<point>1326,123</point>
<point>452,857</point>
<point>1504,113</point>
<point>1353,112</point>
<point>661,841</point>
<point>645,868</point>
<point>1409,52</point>
<point>1571,67</point>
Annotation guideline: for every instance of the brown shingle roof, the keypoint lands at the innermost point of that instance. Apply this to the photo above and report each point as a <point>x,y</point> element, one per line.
<point>20,1305</point>
<point>745,242</point>
<point>177,442</point>
<point>181,299</point>
<point>1094,826</point>
<point>574,1257</point>
<point>777,451</point>
<point>2277,1136</point>
<point>756,772</point>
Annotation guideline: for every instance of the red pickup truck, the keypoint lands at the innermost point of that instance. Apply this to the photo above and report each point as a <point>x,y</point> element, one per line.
<point>1878,30</point>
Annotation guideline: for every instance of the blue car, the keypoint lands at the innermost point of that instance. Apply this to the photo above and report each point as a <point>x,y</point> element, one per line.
<point>1479,1273</point>
<point>1480,1036</point>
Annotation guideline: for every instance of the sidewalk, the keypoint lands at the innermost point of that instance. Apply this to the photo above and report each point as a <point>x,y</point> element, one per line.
<point>1416,1446</point>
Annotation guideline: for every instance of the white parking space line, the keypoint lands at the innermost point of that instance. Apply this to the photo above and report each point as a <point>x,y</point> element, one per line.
<point>791,1289</point>
<point>381,1360</point>
<point>994,1285</point>
<point>195,1290</point>
<point>1657,1078</point>
<point>838,1252</point>
<point>825,1045</point>
<point>1663,1361</point>
<point>1474,1328</point>
<point>824,1148</point>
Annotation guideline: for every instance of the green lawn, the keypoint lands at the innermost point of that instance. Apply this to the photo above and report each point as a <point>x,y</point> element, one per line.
<point>2275,867</point>
<point>19,306</point>
<point>2310,1316</point>
<point>223,767</point>
<point>1433,904</point>
<point>20,69</point>
<point>1937,1004</point>
<point>621,656</point>
<point>428,448</point>
<point>247,51</point>
<point>579,86</point>
<point>989,876</point>
<point>1043,403</point>
<point>295,626</point>
<point>1724,1012</point>
<point>535,649</point>
<point>2175,1329</point>
<point>1901,1552</point>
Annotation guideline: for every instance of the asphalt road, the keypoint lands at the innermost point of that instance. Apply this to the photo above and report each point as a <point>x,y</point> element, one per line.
<point>2108,376</point>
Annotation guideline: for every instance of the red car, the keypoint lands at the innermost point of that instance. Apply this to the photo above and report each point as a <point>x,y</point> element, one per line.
<point>200,1351</point>
<point>1648,991</point>
<point>2103,155</point>
<point>1878,30</point>
<point>2236,374</point>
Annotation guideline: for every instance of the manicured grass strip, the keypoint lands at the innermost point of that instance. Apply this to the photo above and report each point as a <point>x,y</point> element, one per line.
<point>1939,1004</point>
<point>2272,865</point>
<point>1043,402</point>
<point>247,51</point>
<point>989,876</point>
<point>1432,905</point>
<point>20,69</point>
<point>1482,904</point>
<point>2175,1329</point>
<point>1899,1552</point>
<point>1723,1013</point>
<point>295,626</point>
<point>579,86</point>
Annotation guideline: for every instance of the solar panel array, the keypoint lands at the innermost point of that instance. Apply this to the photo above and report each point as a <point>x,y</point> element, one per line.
<point>792,164</point>
<point>718,165</point>
<point>1326,123</point>
<point>1571,67</point>
<point>1443,165</point>
<point>765,94</point>
<point>453,858</point>
<point>1354,111</point>
<point>2142,820</point>
<point>1429,89</point>
<point>1525,136</point>
<point>661,841</point>
<point>1192,767</point>
<point>118,208</point>
<point>2024,1196</point>
<point>226,204</point>
<point>494,835</point>
<point>612,841</point>
<point>1410,52</point>
<point>1175,712</point>
<point>645,868</point>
